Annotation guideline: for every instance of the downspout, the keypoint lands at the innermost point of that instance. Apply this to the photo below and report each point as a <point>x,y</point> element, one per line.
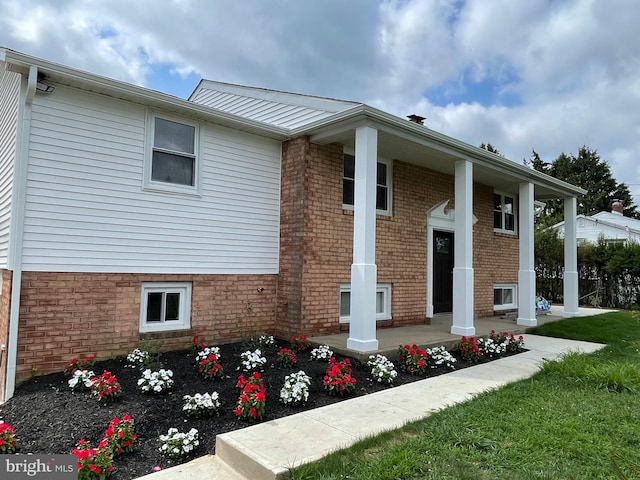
<point>17,222</point>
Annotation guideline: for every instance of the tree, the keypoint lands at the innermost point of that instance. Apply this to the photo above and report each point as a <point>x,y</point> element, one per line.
<point>490,148</point>
<point>589,171</point>
<point>536,162</point>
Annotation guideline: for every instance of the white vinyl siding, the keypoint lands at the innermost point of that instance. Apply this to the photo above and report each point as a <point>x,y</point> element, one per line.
<point>9,101</point>
<point>86,210</point>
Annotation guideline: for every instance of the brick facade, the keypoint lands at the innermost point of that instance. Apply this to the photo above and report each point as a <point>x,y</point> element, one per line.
<point>5,302</point>
<point>317,240</point>
<point>64,315</point>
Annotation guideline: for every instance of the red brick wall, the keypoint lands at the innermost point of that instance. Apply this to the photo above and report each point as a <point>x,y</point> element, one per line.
<point>319,258</point>
<point>5,302</point>
<point>65,315</point>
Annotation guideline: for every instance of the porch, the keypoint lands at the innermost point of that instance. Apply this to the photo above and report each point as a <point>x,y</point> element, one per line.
<point>439,333</point>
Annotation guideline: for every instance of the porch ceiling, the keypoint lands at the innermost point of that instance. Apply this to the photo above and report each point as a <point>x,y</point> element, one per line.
<point>402,140</point>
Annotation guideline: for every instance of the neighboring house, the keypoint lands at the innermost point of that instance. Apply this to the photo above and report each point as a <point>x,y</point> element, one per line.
<point>128,215</point>
<point>611,226</point>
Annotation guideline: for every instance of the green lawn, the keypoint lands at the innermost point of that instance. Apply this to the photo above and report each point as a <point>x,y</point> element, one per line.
<point>579,418</point>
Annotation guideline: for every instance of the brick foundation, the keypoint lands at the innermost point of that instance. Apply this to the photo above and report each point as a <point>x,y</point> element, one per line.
<point>66,315</point>
<point>5,302</point>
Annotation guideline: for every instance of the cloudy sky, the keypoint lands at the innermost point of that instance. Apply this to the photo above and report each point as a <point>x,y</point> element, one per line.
<point>549,75</point>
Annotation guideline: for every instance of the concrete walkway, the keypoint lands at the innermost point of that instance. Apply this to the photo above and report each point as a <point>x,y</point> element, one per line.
<point>268,450</point>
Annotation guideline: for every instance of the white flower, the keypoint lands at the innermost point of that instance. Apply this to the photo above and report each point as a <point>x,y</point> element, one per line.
<point>296,388</point>
<point>323,352</point>
<point>81,379</point>
<point>201,404</point>
<point>252,360</point>
<point>156,381</point>
<point>382,369</point>
<point>205,352</point>
<point>137,359</point>
<point>439,356</point>
<point>176,444</point>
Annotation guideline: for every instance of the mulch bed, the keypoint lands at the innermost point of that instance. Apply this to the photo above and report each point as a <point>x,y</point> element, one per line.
<point>49,417</point>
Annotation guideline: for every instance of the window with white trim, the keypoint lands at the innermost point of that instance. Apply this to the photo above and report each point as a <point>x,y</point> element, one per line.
<point>165,306</point>
<point>504,296</point>
<point>383,302</point>
<point>504,213</point>
<point>383,184</point>
<point>172,155</point>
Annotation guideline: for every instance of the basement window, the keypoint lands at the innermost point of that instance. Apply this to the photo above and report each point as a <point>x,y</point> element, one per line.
<point>383,302</point>
<point>165,306</point>
<point>504,296</point>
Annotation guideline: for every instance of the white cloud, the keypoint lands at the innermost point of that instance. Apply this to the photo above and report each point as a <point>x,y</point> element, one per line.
<point>544,74</point>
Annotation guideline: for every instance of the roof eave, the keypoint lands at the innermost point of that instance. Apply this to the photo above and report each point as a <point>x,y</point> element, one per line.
<point>362,114</point>
<point>142,95</point>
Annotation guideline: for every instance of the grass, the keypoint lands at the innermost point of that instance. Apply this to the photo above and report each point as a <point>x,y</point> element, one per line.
<point>578,418</point>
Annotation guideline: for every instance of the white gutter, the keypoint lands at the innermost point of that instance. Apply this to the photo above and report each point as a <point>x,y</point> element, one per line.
<point>443,142</point>
<point>27,92</point>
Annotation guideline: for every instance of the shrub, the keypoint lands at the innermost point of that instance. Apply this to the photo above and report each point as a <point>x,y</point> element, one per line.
<point>93,463</point>
<point>120,436</point>
<point>469,349</point>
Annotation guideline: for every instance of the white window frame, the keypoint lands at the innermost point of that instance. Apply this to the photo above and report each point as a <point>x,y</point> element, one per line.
<point>515,213</point>
<point>165,187</point>
<point>389,185</point>
<point>384,288</point>
<point>184,319</point>
<point>506,286</point>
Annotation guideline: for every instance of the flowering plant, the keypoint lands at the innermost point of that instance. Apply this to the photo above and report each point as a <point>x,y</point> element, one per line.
<point>8,441</point>
<point>209,362</point>
<point>198,343</point>
<point>296,388</point>
<point>201,404</point>
<point>81,379</point>
<point>382,369</point>
<point>414,359</point>
<point>138,359</point>
<point>439,356</point>
<point>156,381</point>
<point>300,343</point>
<point>119,435</point>
<point>251,402</point>
<point>77,364</point>
<point>252,360</point>
<point>323,352</point>
<point>287,357</point>
<point>265,340</point>
<point>337,379</point>
<point>469,349</point>
<point>509,340</point>
<point>106,387</point>
<point>93,463</point>
<point>176,444</point>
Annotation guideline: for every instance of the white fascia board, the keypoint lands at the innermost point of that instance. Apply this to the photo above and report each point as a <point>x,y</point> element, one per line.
<point>364,114</point>
<point>140,94</point>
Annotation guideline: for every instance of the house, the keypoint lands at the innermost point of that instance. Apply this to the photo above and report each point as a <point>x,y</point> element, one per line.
<point>612,226</point>
<point>128,215</point>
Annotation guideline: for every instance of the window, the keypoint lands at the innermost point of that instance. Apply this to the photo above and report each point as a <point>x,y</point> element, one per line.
<point>504,213</point>
<point>172,161</point>
<point>165,306</point>
<point>504,297</point>
<point>383,302</point>
<point>383,184</point>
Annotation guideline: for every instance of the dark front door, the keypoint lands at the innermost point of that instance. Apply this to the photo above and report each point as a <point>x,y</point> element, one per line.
<point>442,271</point>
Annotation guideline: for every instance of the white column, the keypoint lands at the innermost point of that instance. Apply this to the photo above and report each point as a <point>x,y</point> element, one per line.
<point>570,258</point>
<point>362,326</point>
<point>463,253</point>
<point>526,271</point>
